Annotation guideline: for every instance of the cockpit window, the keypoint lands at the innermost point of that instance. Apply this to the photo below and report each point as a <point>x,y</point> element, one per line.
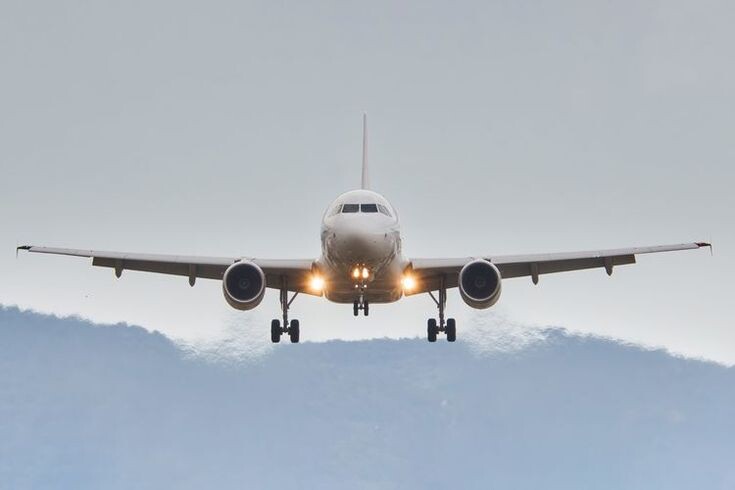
<point>362,208</point>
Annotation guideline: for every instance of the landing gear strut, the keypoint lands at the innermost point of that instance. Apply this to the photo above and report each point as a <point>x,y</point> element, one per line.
<point>449,326</point>
<point>292,327</point>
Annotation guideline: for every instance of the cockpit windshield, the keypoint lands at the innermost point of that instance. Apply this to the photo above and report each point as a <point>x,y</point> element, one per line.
<point>363,208</point>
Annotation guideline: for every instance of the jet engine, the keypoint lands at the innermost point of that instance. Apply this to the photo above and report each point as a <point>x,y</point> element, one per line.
<point>243,285</point>
<point>479,284</point>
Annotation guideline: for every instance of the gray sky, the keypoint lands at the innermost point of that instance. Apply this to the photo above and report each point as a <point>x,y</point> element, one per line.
<point>225,128</point>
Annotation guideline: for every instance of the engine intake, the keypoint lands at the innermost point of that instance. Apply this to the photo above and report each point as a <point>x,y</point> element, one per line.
<point>479,284</point>
<point>243,285</point>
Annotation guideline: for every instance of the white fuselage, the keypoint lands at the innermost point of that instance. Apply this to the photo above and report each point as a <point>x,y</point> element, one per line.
<point>361,249</point>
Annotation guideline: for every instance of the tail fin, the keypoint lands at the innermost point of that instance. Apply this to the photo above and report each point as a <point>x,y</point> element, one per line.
<point>365,179</point>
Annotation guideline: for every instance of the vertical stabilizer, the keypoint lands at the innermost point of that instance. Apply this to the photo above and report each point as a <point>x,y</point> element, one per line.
<point>365,179</point>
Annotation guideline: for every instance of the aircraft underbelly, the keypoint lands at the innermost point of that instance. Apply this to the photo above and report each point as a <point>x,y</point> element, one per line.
<point>347,293</point>
<point>383,285</point>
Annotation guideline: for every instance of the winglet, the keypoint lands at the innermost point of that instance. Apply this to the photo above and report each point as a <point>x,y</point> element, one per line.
<point>21,247</point>
<point>365,180</point>
<point>706,244</point>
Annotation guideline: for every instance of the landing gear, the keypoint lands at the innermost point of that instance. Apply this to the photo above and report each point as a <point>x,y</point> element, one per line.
<point>431,329</point>
<point>450,326</point>
<point>360,304</point>
<point>292,327</point>
<point>451,330</point>
<point>293,331</point>
<point>360,275</point>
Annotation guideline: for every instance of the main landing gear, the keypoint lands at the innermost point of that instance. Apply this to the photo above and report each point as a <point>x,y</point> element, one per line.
<point>450,326</point>
<point>292,327</point>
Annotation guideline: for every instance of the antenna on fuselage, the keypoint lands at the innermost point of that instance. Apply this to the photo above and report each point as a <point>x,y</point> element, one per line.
<point>365,180</point>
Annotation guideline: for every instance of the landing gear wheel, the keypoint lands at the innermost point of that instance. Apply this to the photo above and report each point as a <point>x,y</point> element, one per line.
<point>275,331</point>
<point>365,308</point>
<point>293,331</point>
<point>355,308</point>
<point>451,330</point>
<point>431,329</point>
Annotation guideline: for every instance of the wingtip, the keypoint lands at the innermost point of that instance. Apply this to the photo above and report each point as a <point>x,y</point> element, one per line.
<point>708,245</point>
<point>21,247</point>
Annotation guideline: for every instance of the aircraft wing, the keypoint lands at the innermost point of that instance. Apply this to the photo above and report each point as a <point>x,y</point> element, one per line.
<point>296,272</point>
<point>428,272</point>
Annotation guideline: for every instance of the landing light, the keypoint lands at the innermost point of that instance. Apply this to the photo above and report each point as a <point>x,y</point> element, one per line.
<point>317,284</point>
<point>409,283</point>
<point>365,273</point>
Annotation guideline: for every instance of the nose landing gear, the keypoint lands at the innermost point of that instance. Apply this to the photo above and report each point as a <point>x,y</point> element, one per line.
<point>449,327</point>
<point>292,327</point>
<point>360,304</point>
<point>360,274</point>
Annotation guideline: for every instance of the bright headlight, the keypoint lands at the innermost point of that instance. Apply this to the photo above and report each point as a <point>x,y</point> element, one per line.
<point>317,283</point>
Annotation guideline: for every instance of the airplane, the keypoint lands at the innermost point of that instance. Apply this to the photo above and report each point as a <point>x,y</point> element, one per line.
<point>362,263</point>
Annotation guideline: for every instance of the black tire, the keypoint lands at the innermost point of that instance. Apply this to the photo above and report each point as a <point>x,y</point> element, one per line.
<point>365,308</point>
<point>275,331</point>
<point>451,330</point>
<point>294,331</point>
<point>431,329</point>
<point>355,309</point>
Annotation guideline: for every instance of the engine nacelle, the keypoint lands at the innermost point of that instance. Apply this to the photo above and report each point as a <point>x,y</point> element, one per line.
<point>479,284</point>
<point>243,285</point>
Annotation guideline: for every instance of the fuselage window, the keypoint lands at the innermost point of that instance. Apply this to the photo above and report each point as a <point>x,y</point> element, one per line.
<point>383,210</point>
<point>350,208</point>
<point>369,208</point>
